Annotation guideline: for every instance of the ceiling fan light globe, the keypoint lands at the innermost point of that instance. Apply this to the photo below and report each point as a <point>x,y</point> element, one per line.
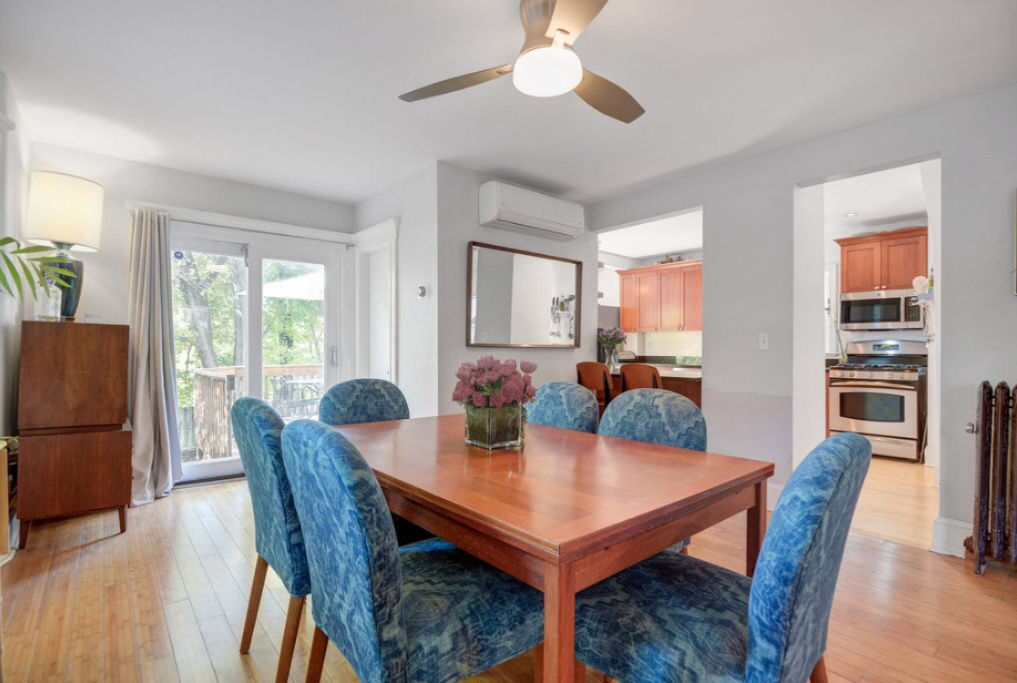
<point>547,71</point>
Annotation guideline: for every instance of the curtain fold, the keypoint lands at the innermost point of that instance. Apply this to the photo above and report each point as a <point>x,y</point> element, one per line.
<point>153,389</point>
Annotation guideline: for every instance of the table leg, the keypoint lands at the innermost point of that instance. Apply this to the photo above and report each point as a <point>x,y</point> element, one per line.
<point>756,529</point>
<point>559,624</point>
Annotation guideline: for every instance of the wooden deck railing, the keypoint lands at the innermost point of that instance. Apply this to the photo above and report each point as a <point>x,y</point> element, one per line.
<point>286,386</point>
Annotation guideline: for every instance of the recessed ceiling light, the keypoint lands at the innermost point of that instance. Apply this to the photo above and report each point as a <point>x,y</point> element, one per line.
<point>850,214</point>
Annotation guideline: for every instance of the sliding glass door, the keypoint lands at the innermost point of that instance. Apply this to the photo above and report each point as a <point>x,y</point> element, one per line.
<point>249,319</point>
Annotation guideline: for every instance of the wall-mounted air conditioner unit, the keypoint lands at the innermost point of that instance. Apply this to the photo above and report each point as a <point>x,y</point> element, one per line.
<point>514,208</point>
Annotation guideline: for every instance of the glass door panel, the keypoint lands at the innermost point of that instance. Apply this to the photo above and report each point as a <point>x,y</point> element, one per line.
<point>210,342</point>
<point>293,340</point>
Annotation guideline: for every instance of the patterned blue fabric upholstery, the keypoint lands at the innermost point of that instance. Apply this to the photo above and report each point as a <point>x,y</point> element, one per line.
<point>277,537</point>
<point>362,400</point>
<point>655,416</point>
<point>565,405</point>
<point>676,618</point>
<point>423,612</point>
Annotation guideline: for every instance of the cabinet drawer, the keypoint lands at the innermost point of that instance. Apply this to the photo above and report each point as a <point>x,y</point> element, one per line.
<point>63,474</point>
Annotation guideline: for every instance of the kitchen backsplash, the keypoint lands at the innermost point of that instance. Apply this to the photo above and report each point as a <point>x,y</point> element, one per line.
<point>668,343</point>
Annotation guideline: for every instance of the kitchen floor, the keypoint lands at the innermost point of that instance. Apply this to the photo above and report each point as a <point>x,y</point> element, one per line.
<point>899,502</point>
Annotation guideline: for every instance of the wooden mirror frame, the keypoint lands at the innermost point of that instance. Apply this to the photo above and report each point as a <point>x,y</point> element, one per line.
<point>469,296</point>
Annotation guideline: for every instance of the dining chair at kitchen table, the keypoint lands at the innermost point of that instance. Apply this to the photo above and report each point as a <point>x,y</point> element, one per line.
<point>597,378</point>
<point>676,618</point>
<point>564,405</point>
<point>639,376</point>
<point>257,429</point>
<point>357,401</point>
<point>394,613</point>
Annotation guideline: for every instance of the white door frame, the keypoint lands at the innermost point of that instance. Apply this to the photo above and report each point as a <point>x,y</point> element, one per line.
<point>377,238</point>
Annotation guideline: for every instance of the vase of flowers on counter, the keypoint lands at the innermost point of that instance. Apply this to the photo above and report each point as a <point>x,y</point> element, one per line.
<point>493,393</point>
<point>610,338</point>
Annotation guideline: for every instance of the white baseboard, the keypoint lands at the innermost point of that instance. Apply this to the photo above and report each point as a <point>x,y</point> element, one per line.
<point>948,536</point>
<point>773,492</point>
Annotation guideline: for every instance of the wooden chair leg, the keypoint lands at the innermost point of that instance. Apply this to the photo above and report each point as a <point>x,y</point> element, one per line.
<point>316,660</point>
<point>289,641</point>
<point>538,663</point>
<point>26,526</point>
<point>580,672</point>
<point>123,518</point>
<point>819,672</point>
<point>253,602</point>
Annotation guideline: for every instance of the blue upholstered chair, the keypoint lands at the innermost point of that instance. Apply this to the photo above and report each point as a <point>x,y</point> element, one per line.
<point>396,614</point>
<point>655,416</point>
<point>676,618</point>
<point>564,405</point>
<point>362,400</point>
<point>357,401</point>
<point>277,538</point>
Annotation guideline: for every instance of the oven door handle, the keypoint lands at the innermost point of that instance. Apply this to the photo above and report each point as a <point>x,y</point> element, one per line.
<point>873,385</point>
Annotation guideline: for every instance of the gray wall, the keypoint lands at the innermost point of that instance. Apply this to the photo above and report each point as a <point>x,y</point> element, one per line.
<point>748,286</point>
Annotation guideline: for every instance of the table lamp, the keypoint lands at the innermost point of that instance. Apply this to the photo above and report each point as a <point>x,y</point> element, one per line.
<point>66,211</point>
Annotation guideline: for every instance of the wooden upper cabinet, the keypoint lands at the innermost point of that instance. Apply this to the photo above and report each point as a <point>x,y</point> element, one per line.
<point>664,298</point>
<point>670,300</point>
<point>692,297</point>
<point>886,261</point>
<point>648,306</point>
<point>902,258</point>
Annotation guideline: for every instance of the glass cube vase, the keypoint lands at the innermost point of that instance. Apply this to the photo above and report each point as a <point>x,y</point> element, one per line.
<point>492,428</point>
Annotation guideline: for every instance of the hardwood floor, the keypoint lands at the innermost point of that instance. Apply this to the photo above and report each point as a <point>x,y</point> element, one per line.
<point>166,601</point>
<point>899,502</point>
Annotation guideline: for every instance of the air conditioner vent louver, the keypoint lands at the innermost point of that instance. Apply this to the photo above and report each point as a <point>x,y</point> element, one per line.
<point>514,208</point>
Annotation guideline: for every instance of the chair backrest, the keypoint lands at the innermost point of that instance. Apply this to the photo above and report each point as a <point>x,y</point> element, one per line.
<point>792,588</point>
<point>356,576</point>
<point>597,378</point>
<point>564,405</point>
<point>362,400</point>
<point>639,376</point>
<point>277,535</point>
<point>655,416</point>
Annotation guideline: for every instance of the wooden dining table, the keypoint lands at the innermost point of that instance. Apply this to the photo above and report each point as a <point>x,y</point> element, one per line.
<point>562,512</point>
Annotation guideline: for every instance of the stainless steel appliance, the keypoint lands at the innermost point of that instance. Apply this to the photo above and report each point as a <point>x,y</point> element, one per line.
<point>891,309</point>
<point>880,393</point>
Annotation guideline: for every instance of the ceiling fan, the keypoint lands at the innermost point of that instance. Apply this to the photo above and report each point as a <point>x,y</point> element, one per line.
<point>547,66</point>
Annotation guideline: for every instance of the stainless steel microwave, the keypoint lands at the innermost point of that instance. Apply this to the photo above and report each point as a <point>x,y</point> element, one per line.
<point>891,309</point>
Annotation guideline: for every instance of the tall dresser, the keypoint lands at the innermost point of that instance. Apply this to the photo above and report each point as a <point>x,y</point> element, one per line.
<point>75,446</point>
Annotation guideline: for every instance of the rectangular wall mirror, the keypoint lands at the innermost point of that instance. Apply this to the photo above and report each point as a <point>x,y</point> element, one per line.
<point>519,298</point>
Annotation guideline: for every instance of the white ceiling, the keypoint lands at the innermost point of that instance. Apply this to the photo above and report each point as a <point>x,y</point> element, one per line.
<point>303,96</point>
<point>880,198</point>
<point>671,235</point>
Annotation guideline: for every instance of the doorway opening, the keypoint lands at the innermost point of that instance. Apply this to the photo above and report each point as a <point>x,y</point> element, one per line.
<point>650,286</point>
<point>866,356</point>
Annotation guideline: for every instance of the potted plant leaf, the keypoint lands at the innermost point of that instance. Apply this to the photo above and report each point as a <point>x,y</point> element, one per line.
<point>31,268</point>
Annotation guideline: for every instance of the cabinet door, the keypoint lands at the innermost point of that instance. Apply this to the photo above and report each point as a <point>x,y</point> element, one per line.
<point>671,299</point>
<point>629,303</point>
<point>902,259</point>
<point>692,297</point>
<point>648,307</point>
<point>859,267</point>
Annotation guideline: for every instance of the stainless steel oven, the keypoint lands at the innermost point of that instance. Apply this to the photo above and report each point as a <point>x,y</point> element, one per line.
<point>891,309</point>
<point>887,413</point>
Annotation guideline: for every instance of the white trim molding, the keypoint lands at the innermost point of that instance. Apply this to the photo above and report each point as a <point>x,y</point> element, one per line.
<point>948,536</point>
<point>378,238</point>
<point>6,124</point>
<point>222,220</point>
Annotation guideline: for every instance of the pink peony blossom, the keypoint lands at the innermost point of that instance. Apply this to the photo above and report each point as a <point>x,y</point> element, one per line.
<point>478,399</point>
<point>513,389</point>
<point>528,366</point>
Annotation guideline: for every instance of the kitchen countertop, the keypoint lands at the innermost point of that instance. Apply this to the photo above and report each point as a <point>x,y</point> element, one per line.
<point>676,373</point>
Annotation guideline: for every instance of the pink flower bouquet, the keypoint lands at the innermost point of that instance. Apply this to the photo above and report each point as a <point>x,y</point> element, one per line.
<point>493,392</point>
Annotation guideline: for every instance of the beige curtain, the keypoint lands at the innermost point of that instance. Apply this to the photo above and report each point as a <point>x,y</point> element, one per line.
<point>153,390</point>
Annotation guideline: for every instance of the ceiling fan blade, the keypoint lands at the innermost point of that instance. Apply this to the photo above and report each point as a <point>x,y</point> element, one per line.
<point>456,83</point>
<point>608,98</point>
<point>573,16</point>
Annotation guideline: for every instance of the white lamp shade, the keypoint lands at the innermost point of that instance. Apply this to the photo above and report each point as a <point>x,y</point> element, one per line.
<point>64,208</point>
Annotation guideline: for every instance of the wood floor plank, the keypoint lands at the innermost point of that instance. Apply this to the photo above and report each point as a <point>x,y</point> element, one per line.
<point>166,601</point>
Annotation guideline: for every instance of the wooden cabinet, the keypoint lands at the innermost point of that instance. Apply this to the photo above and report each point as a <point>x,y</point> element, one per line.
<point>75,453</point>
<point>885,261</point>
<point>663,298</point>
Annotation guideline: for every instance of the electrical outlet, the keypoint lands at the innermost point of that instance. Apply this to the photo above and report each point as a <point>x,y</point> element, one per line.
<point>764,341</point>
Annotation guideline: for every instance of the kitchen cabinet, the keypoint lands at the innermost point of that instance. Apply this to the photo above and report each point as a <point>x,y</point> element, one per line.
<point>662,298</point>
<point>888,260</point>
